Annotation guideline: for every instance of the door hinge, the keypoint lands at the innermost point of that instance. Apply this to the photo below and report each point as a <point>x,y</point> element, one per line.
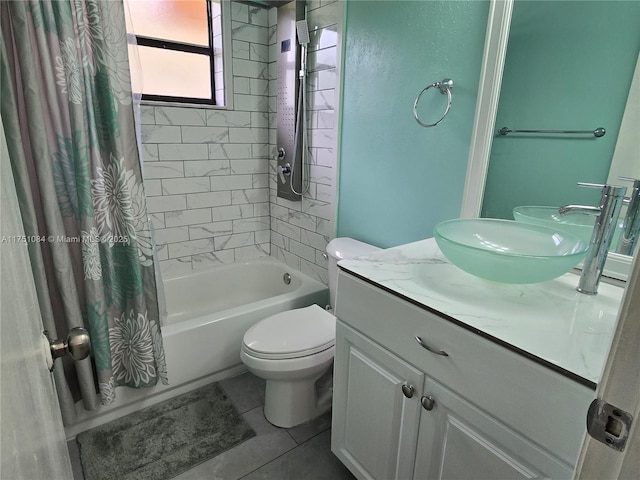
<point>608,424</point>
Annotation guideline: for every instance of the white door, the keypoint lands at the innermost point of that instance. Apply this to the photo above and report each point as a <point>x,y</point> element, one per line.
<point>33,444</point>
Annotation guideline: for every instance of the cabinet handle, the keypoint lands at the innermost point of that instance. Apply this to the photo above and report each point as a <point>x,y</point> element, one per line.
<point>407,390</point>
<point>424,345</point>
<point>428,402</point>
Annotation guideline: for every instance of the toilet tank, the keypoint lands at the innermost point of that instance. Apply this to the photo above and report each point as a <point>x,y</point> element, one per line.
<point>340,249</point>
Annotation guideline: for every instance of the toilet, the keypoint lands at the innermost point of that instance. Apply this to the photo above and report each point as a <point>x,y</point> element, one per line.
<point>293,351</point>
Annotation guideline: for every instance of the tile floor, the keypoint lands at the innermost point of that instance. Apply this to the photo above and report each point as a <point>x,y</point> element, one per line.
<point>298,453</point>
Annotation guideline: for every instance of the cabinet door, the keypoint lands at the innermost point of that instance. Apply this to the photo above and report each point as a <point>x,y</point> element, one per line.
<point>458,441</point>
<point>375,425</point>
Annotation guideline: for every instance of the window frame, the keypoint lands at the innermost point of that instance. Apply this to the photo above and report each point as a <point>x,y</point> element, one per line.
<point>175,46</point>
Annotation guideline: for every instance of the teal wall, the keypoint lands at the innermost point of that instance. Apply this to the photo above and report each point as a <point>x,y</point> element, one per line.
<point>569,66</point>
<point>398,179</point>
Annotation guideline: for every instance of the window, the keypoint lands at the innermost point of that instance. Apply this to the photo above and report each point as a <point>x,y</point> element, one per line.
<point>179,51</point>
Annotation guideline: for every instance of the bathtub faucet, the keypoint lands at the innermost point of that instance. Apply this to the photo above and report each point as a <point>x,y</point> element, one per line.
<point>631,223</point>
<point>607,219</point>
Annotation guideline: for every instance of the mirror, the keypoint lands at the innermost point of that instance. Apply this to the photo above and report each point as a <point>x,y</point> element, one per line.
<point>537,75</point>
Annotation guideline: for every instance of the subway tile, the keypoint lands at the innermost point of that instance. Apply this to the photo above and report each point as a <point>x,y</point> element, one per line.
<point>213,229</point>
<point>318,209</point>
<point>323,59</point>
<point>240,49</point>
<point>211,259</point>
<point>180,116</point>
<point>219,151</point>
<point>258,52</point>
<point>210,199</point>
<point>181,151</point>
<point>325,119</point>
<point>261,209</point>
<point>324,157</point>
<point>273,17</point>
<point>161,252</point>
<point>259,119</point>
<point>322,100</point>
<point>250,103</point>
<point>289,258</point>
<point>149,152</point>
<point>242,85</point>
<point>248,135</point>
<point>249,33</point>
<point>254,195</point>
<point>164,170</point>
<point>251,224</point>
<point>161,134</point>
<point>325,227</point>
<point>171,235</point>
<point>147,115</point>
<point>323,37</point>
<point>191,247</point>
<point>259,16</point>
<point>262,150</point>
<point>328,14</point>
<point>226,118</point>
<point>260,180</point>
<point>259,86</point>
<point>256,250</point>
<point>240,167</point>
<point>239,12</point>
<point>198,168</point>
<point>157,219</point>
<point>315,271</point>
<point>325,193</point>
<point>232,212</point>
<point>166,203</point>
<point>263,236</point>
<point>173,186</point>
<point>323,80</point>
<point>231,182</point>
<point>313,239</point>
<point>187,217</point>
<point>303,251</point>
<point>302,220</point>
<point>175,266</point>
<point>278,240</point>
<point>204,134</point>
<point>249,68</point>
<point>225,242</point>
<point>323,175</point>
<point>286,229</point>
<point>152,188</point>
<point>324,138</point>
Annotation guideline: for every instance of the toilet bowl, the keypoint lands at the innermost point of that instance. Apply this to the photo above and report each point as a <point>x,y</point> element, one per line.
<point>293,351</point>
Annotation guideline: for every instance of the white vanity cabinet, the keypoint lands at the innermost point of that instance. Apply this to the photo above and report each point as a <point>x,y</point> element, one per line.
<point>482,411</point>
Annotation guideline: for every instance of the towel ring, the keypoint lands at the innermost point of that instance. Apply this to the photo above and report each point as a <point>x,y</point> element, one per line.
<point>445,87</point>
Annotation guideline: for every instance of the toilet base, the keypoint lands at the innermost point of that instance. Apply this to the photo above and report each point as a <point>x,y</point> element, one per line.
<point>288,404</point>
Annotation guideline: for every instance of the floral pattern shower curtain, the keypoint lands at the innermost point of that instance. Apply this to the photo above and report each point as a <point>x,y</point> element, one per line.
<point>69,122</point>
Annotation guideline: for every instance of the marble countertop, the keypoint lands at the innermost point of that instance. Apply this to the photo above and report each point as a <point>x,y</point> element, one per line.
<point>548,320</point>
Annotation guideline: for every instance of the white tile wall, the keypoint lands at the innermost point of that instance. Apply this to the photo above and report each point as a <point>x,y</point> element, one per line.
<point>208,175</point>
<point>300,231</point>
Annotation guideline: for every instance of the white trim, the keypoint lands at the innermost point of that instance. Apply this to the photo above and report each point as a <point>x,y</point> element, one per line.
<point>495,50</point>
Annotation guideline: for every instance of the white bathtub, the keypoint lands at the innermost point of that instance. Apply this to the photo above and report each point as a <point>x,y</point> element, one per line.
<point>208,313</point>
<point>210,310</point>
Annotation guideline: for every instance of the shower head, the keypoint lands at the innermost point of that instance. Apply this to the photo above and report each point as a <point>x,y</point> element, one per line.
<point>303,32</point>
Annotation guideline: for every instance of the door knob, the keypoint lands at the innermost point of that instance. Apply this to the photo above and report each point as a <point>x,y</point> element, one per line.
<point>428,402</point>
<point>77,344</point>
<point>407,390</point>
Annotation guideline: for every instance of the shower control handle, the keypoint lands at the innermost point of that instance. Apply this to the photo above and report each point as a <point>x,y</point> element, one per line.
<point>284,171</point>
<point>281,153</point>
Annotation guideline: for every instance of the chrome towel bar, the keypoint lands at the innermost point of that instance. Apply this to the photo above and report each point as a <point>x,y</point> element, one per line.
<point>598,132</point>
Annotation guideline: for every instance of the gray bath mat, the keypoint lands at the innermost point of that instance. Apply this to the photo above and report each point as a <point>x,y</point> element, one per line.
<point>164,440</point>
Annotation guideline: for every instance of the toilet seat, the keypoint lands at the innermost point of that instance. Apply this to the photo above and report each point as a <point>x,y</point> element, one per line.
<point>292,334</point>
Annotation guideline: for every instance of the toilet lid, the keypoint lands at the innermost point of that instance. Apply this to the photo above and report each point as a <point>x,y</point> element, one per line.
<point>294,333</point>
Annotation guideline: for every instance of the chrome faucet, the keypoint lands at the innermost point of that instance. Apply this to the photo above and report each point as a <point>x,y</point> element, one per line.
<point>607,219</point>
<point>631,224</point>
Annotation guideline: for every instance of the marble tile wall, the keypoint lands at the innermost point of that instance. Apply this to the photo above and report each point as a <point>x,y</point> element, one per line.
<point>206,169</point>
<point>301,230</point>
<point>210,172</point>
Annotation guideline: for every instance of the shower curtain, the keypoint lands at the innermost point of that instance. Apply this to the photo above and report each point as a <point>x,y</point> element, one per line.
<point>69,122</point>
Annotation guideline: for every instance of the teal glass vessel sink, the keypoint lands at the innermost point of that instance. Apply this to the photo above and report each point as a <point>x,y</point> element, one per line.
<point>507,251</point>
<point>580,224</point>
